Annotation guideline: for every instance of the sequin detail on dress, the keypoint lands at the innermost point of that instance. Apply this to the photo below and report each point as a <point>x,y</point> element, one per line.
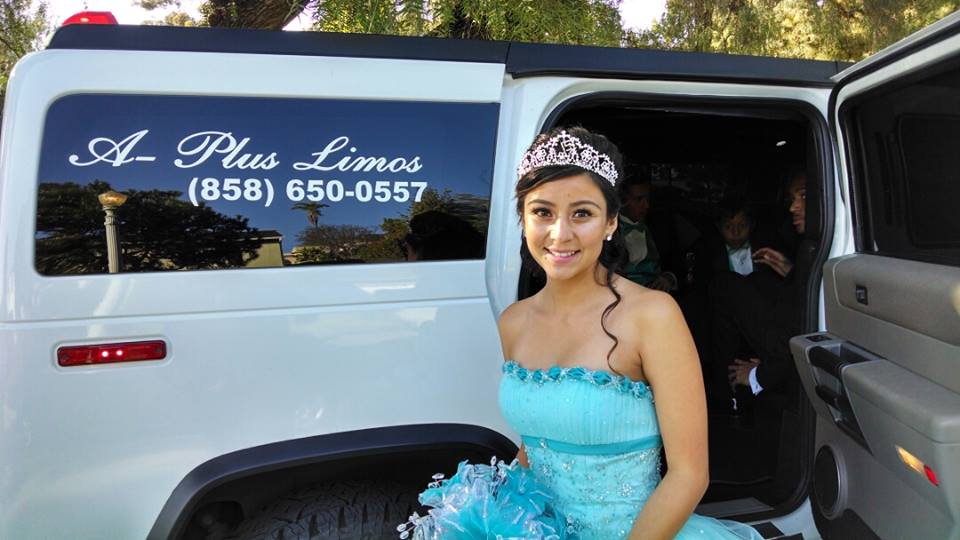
<point>623,384</point>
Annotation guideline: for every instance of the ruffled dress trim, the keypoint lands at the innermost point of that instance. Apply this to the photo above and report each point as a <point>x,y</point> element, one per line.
<point>625,385</point>
<point>488,502</point>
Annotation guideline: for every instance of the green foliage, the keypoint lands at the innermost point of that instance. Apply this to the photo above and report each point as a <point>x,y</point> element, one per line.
<point>824,29</point>
<point>313,210</point>
<point>150,5</point>
<point>367,16</point>
<point>22,30</point>
<point>323,243</point>
<point>594,22</point>
<point>413,17</point>
<point>175,18</point>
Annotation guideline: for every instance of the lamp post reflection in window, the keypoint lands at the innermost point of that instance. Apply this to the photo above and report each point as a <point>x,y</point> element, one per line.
<point>111,200</point>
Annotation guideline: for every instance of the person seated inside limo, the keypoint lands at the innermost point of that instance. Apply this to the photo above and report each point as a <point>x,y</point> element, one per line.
<point>736,228</point>
<point>754,255</point>
<point>647,265</point>
<point>742,311</point>
<point>754,318</point>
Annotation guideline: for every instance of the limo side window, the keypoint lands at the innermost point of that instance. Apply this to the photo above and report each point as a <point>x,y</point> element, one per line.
<point>910,175</point>
<point>160,183</point>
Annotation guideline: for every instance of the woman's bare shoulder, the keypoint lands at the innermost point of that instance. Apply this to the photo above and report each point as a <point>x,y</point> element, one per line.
<point>643,304</point>
<point>511,322</point>
<point>515,313</point>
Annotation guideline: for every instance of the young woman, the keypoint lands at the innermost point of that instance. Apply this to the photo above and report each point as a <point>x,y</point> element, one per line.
<point>599,373</point>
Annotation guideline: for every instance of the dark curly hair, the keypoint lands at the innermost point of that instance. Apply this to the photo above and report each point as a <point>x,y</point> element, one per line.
<point>614,254</point>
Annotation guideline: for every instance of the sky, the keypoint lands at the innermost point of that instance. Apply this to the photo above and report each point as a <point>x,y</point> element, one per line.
<point>636,14</point>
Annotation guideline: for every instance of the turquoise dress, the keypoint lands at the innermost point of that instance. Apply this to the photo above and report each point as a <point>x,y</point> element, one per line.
<point>593,446</point>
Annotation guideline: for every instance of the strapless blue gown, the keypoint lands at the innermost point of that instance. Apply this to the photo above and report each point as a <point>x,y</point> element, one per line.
<point>593,445</point>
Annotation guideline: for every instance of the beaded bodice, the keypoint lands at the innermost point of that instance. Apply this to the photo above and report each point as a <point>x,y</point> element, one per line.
<point>592,437</point>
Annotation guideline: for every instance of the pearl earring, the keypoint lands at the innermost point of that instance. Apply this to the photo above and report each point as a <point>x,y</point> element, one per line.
<point>609,237</point>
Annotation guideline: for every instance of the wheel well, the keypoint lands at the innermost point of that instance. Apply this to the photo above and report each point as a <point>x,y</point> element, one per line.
<point>228,504</point>
<point>222,492</point>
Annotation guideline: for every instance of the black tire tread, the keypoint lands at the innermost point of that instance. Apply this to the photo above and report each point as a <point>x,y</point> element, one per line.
<point>333,510</point>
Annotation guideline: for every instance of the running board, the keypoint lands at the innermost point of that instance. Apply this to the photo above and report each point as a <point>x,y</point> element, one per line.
<point>769,531</point>
<point>734,507</point>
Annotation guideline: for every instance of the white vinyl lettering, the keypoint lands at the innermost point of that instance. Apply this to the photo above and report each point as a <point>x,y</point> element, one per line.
<point>414,165</point>
<point>326,160</point>
<point>334,146</point>
<point>112,152</point>
<point>367,164</point>
<point>205,144</point>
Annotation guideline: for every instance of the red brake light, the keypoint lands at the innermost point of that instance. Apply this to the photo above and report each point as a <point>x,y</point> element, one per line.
<point>931,476</point>
<point>91,17</point>
<point>111,353</point>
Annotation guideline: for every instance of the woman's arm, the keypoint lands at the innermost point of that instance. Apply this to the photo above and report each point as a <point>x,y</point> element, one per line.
<point>671,366</point>
<point>522,456</point>
<point>508,325</point>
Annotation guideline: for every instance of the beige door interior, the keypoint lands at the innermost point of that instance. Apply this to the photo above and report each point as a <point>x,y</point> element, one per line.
<point>884,379</point>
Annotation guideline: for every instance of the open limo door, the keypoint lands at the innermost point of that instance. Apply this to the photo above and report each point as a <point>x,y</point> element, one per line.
<point>884,379</point>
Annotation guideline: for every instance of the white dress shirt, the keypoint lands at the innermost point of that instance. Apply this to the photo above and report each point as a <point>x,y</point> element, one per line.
<point>754,384</point>
<point>740,260</point>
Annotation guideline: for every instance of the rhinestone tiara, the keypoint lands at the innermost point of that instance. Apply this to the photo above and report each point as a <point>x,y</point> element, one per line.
<point>565,149</point>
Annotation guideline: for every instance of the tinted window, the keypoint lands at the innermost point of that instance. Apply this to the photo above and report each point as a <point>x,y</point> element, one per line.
<point>216,182</point>
<point>907,166</point>
<point>932,175</point>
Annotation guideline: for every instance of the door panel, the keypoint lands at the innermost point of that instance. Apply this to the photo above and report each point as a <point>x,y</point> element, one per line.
<point>885,378</point>
<point>910,312</point>
<point>879,382</point>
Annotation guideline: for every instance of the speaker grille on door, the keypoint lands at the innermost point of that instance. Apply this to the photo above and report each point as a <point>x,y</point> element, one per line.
<point>826,480</point>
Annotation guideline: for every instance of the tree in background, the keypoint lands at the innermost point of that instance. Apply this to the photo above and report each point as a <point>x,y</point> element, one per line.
<point>333,243</point>
<point>823,29</point>
<point>313,209</point>
<point>158,231</point>
<point>176,17</point>
<point>261,14</point>
<point>586,22</point>
<point>266,14</point>
<point>22,30</point>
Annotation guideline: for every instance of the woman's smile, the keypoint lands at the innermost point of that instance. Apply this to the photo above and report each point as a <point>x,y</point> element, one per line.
<point>562,256</point>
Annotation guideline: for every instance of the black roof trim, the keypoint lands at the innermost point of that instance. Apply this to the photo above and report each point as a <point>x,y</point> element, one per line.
<point>231,40</point>
<point>529,59</point>
<point>521,59</point>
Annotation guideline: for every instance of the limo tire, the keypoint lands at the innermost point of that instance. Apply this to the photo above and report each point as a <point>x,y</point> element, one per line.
<point>338,510</point>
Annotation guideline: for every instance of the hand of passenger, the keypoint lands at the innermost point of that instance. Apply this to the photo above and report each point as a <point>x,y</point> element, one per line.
<point>739,371</point>
<point>774,259</point>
